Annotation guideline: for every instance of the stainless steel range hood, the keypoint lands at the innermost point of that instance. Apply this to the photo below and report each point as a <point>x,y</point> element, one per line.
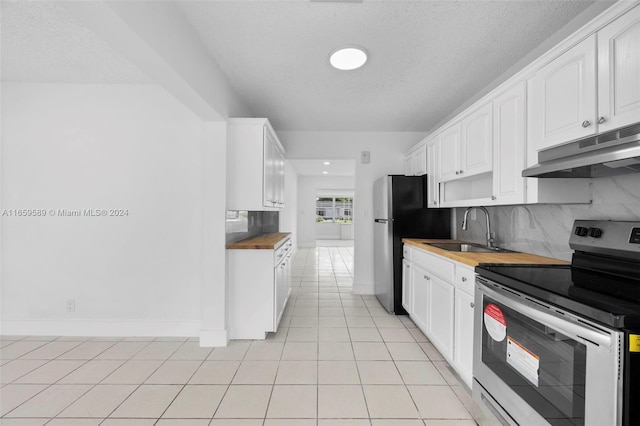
<point>608,154</point>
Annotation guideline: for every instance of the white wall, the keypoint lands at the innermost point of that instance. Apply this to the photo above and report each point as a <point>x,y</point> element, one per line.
<point>101,147</point>
<point>386,150</point>
<point>289,216</point>
<point>308,187</point>
<point>158,171</point>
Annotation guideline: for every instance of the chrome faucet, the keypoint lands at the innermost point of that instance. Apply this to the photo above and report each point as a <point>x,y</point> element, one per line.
<point>464,223</point>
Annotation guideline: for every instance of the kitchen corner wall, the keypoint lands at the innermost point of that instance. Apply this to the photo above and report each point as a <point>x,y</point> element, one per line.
<point>544,229</point>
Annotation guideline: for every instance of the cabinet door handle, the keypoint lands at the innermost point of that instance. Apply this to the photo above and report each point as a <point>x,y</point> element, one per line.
<point>457,172</point>
<point>464,279</point>
<point>426,278</point>
<point>493,197</point>
<point>601,120</point>
<point>471,305</point>
<point>586,123</point>
<point>461,171</point>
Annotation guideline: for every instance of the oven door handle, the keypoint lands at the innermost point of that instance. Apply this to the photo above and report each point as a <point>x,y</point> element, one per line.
<point>584,332</point>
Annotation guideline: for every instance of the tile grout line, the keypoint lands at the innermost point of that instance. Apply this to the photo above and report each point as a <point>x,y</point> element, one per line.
<point>54,383</point>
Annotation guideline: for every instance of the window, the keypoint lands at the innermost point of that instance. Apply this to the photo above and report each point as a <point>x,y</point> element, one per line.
<point>334,209</point>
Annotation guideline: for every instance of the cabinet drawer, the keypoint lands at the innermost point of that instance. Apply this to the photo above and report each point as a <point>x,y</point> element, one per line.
<point>465,279</point>
<point>406,252</point>
<point>282,250</point>
<point>434,264</point>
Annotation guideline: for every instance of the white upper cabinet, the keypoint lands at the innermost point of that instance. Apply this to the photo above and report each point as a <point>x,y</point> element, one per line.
<point>477,142</point>
<point>563,97</point>
<point>408,166</point>
<point>433,189</point>
<point>449,153</point>
<point>466,147</point>
<point>619,72</point>
<point>255,166</point>
<point>585,85</point>
<point>570,100</point>
<point>273,171</point>
<point>509,132</point>
<point>415,162</point>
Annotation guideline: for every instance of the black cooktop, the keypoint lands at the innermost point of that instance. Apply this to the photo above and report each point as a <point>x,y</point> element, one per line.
<point>605,298</point>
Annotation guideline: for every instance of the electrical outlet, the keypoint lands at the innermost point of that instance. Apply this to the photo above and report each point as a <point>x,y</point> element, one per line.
<point>71,305</point>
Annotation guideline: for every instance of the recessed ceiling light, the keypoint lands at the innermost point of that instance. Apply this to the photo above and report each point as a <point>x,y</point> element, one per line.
<point>348,58</point>
<point>325,173</point>
<point>327,163</point>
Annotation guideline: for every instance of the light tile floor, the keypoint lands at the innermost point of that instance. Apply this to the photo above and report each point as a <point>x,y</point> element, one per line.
<point>337,359</point>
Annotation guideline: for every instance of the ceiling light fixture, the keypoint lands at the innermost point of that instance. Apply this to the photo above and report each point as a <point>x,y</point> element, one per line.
<point>327,163</point>
<point>348,58</point>
<point>325,173</point>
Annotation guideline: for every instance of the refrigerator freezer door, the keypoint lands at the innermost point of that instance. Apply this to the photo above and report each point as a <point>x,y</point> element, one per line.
<point>383,262</point>
<point>382,198</point>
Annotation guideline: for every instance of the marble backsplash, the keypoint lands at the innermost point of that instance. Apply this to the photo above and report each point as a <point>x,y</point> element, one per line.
<point>241,225</point>
<point>544,229</point>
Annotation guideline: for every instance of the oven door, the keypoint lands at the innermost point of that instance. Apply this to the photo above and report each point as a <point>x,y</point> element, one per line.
<point>542,365</point>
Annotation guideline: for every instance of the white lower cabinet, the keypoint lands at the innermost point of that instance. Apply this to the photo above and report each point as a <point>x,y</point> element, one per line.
<point>420,289</point>
<point>282,288</point>
<point>440,299</point>
<point>440,313</point>
<point>259,287</point>
<point>406,286</point>
<point>463,332</point>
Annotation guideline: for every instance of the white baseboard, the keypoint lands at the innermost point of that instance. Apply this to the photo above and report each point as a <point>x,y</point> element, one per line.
<point>307,245</point>
<point>363,289</point>
<point>100,328</point>
<point>212,338</point>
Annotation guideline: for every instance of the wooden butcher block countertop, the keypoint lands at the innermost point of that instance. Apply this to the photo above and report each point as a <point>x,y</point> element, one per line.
<point>261,242</point>
<point>474,259</point>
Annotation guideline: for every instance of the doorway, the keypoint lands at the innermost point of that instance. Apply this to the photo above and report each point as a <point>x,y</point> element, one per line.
<point>334,217</point>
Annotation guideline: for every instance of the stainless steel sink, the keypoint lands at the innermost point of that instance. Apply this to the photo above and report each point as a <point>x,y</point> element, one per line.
<point>471,248</point>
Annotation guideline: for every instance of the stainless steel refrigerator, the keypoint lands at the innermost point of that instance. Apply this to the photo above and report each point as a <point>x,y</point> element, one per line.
<point>400,211</point>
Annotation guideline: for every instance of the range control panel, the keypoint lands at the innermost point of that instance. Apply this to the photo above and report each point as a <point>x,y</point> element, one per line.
<point>582,231</point>
<point>618,238</point>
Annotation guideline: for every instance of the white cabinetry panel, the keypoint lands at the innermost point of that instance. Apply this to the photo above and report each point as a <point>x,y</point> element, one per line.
<point>255,166</point>
<point>420,295</point>
<point>440,300</point>
<point>463,332</point>
<point>415,163</point>
<point>477,142</point>
<point>406,285</point>
<point>509,118</point>
<point>433,189</point>
<point>449,153</point>
<point>259,287</point>
<point>440,323</point>
<point>619,72</point>
<point>563,97</point>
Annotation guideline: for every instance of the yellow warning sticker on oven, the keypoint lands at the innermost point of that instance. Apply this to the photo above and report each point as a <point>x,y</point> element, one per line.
<point>634,343</point>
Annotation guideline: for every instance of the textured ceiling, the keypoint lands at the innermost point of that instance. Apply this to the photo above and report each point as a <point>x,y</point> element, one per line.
<point>425,57</point>
<point>42,43</point>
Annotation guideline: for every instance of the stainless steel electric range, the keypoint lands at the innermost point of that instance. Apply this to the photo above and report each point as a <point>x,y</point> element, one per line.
<point>560,344</point>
